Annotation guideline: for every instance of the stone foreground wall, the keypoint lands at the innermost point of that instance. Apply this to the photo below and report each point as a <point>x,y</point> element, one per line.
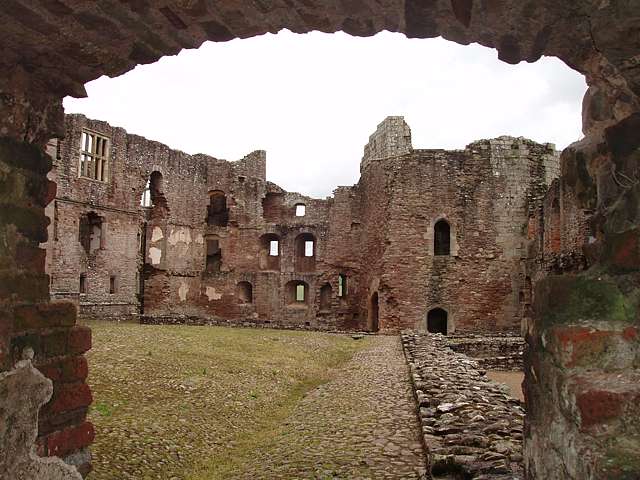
<point>472,428</point>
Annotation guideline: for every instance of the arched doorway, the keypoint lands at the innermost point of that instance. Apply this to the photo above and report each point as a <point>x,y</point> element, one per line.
<point>374,310</point>
<point>437,321</point>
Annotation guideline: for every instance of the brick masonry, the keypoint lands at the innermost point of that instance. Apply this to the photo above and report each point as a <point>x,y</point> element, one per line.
<point>378,234</point>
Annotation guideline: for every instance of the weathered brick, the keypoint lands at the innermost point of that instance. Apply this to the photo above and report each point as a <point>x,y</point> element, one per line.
<point>67,397</point>
<point>79,340</point>
<point>45,315</point>
<point>70,439</point>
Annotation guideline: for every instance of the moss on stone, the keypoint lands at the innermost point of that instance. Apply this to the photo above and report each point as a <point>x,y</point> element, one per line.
<point>572,299</point>
<point>622,460</point>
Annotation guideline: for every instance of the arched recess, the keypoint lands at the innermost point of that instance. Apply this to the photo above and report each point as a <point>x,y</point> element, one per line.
<point>442,237</point>
<point>374,313</point>
<point>305,250</point>
<point>270,249</point>
<point>438,321</point>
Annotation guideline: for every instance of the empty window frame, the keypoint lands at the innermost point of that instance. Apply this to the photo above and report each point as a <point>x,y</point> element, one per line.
<point>301,210</point>
<point>217,211</point>
<point>94,156</point>
<point>91,235</point>
<point>442,238</point>
<point>342,285</point>
<point>274,246</point>
<point>308,248</point>
<point>214,256</point>
<point>300,292</point>
<point>113,287</point>
<point>145,201</point>
<point>83,283</point>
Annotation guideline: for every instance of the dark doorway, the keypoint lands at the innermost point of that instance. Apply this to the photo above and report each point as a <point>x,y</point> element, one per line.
<point>442,238</point>
<point>437,321</point>
<point>374,324</point>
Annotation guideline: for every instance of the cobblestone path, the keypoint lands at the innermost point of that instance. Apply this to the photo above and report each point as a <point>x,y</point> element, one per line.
<point>360,425</point>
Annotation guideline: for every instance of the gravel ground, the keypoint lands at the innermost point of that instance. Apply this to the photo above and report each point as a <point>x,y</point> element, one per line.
<point>169,400</point>
<point>360,425</point>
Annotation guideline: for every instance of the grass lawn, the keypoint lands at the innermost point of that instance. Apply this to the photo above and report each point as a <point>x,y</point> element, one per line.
<point>177,402</point>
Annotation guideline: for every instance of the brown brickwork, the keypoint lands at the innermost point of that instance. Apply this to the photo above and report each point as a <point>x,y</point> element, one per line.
<point>208,237</point>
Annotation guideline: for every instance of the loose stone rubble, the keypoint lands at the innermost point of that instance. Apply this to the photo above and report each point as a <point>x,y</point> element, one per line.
<point>471,427</point>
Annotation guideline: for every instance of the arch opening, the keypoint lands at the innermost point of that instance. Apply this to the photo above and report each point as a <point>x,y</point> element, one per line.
<point>437,321</point>
<point>244,291</point>
<point>217,211</point>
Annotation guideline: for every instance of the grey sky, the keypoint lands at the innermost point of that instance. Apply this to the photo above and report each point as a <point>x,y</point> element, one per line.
<point>311,101</point>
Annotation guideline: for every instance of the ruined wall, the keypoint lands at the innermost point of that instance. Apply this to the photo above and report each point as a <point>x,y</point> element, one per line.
<point>484,193</point>
<point>201,245</point>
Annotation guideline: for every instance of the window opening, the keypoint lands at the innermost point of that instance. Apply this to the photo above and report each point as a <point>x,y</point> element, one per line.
<point>214,256</point>
<point>94,152</point>
<point>374,311</point>
<point>83,283</point>
<point>217,211</point>
<point>112,284</point>
<point>342,285</point>
<point>301,210</point>
<point>300,293</point>
<point>91,232</point>
<point>308,248</point>
<point>273,248</point>
<point>442,238</point>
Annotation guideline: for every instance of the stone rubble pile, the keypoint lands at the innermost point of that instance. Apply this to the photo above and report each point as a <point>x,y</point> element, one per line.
<point>472,428</point>
<point>495,352</point>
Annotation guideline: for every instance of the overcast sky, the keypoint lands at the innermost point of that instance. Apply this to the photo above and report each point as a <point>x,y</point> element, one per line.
<point>311,101</point>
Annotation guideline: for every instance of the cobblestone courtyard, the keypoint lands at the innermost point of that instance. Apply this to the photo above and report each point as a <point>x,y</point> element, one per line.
<point>216,403</point>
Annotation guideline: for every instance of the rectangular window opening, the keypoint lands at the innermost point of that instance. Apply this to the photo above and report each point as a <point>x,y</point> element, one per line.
<point>299,293</point>
<point>83,283</point>
<point>342,285</point>
<point>273,248</point>
<point>308,248</point>
<point>112,284</point>
<point>300,210</point>
<point>94,153</point>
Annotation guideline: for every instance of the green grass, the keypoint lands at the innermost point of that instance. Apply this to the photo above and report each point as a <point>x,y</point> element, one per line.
<point>195,401</point>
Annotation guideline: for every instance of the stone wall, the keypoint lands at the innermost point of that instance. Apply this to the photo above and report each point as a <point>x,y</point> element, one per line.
<point>495,352</point>
<point>472,428</point>
<point>177,256</point>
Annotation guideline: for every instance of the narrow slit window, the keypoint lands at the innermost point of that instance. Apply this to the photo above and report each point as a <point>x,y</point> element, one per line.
<point>301,210</point>
<point>112,284</point>
<point>308,248</point>
<point>300,293</point>
<point>342,285</point>
<point>273,248</point>
<point>83,283</point>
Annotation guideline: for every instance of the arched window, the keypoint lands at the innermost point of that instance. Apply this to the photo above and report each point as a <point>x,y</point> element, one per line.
<point>374,311</point>
<point>269,252</point>
<point>305,248</point>
<point>442,238</point>
<point>244,290</point>
<point>217,211</point>
<point>297,292</point>
<point>325,297</point>
<point>437,321</point>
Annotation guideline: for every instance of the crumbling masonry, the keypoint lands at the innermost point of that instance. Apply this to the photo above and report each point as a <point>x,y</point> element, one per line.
<point>427,239</point>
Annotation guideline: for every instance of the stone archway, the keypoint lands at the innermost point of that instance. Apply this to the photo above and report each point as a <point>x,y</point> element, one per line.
<point>53,48</point>
<point>437,321</point>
